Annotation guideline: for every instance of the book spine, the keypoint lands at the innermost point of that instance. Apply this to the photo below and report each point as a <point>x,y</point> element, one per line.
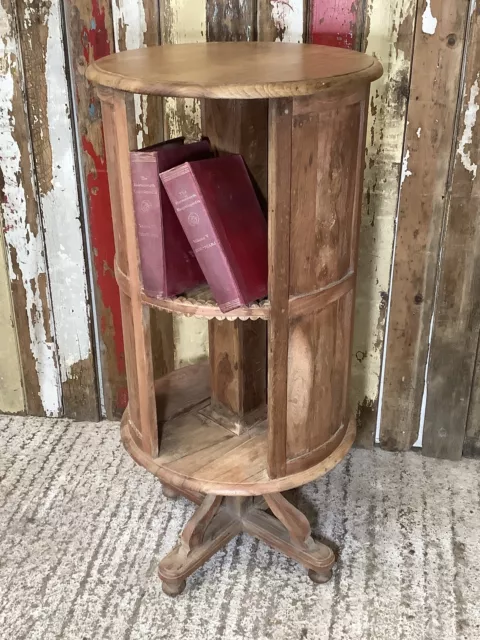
<point>189,205</point>
<point>148,215</point>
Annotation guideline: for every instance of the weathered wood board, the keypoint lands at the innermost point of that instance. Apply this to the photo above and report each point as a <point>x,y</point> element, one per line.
<point>389,36</point>
<point>48,105</point>
<point>90,36</point>
<point>11,387</point>
<point>281,21</point>
<point>437,63</point>
<point>456,321</point>
<point>23,232</point>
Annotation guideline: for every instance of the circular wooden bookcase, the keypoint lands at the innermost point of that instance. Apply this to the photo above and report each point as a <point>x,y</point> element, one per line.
<point>269,411</point>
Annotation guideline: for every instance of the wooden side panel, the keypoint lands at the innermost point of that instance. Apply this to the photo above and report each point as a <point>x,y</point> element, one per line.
<point>281,21</point>
<point>322,237</point>
<point>456,322</point>
<point>54,158</point>
<point>89,29</point>
<point>440,31</point>
<point>136,23</point>
<point>181,22</point>
<point>279,183</point>
<point>11,387</point>
<point>336,23</point>
<point>23,232</point>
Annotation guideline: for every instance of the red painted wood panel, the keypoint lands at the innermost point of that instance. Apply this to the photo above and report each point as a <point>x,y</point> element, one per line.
<point>89,26</point>
<point>334,22</point>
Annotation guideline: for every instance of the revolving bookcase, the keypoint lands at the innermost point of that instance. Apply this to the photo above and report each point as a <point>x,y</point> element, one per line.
<point>269,411</point>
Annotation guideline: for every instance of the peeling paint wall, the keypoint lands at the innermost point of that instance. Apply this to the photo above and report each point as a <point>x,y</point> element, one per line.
<point>389,37</point>
<point>23,233</point>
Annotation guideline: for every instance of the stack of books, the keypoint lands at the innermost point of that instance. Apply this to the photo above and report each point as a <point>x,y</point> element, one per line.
<point>198,220</point>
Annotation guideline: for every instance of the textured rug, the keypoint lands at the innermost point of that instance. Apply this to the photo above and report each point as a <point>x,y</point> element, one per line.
<point>82,529</point>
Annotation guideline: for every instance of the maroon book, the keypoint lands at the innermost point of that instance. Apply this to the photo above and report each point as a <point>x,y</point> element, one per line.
<point>216,204</point>
<point>168,264</point>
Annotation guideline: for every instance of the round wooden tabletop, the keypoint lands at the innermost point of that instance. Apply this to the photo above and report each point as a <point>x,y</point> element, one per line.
<point>233,69</point>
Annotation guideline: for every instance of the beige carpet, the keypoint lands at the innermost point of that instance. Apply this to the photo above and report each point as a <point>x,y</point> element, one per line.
<point>82,529</point>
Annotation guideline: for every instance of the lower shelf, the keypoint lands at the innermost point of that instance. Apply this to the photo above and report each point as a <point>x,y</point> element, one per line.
<point>199,455</point>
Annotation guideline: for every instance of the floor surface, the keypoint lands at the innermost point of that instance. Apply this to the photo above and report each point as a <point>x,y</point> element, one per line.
<point>82,529</point>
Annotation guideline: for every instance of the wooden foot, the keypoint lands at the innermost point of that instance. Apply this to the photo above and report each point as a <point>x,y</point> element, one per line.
<point>219,519</point>
<point>169,492</point>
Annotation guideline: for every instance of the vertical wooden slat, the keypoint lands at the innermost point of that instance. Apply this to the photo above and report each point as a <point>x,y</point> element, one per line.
<point>183,22</point>
<point>53,152</point>
<point>89,29</point>
<point>23,232</point>
<point>456,322</point>
<point>136,23</point>
<point>135,316</point>
<point>440,31</point>
<point>279,178</point>
<point>11,387</point>
<point>389,35</point>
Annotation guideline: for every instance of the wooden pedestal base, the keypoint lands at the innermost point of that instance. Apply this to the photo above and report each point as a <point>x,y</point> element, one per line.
<point>219,519</point>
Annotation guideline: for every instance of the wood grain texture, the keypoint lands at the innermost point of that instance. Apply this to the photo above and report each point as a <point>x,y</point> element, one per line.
<point>135,25</point>
<point>266,70</point>
<point>90,36</point>
<point>22,230</point>
<point>11,385</point>
<point>48,105</point>
<point>135,315</point>
<point>389,34</point>
<point>456,321</point>
<point>430,130</point>
<point>279,185</point>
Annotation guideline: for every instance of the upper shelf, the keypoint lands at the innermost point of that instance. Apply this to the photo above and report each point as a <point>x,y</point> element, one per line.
<point>233,69</point>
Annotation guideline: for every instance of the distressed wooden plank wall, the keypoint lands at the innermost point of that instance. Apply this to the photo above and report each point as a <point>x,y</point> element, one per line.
<point>418,257</point>
<point>90,36</point>
<point>456,321</point>
<point>434,90</point>
<point>49,116</point>
<point>23,233</point>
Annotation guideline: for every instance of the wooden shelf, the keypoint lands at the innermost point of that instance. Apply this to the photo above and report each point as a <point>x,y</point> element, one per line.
<point>198,454</point>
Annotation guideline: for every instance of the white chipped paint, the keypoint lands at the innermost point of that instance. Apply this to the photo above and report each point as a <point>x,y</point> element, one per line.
<point>191,340</point>
<point>385,130</point>
<point>405,170</point>
<point>19,236</point>
<point>469,121</point>
<point>61,214</point>
<point>419,132</point>
<point>287,16</point>
<point>129,15</point>
<point>429,23</point>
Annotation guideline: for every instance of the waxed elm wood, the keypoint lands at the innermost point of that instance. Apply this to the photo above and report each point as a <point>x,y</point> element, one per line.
<point>314,173</point>
<point>233,70</point>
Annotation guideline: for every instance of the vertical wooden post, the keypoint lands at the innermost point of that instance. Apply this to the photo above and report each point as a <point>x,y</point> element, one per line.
<point>238,349</point>
<point>279,180</point>
<point>135,316</point>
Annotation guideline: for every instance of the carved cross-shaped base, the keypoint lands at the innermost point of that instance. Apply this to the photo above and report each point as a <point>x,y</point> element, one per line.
<point>218,519</point>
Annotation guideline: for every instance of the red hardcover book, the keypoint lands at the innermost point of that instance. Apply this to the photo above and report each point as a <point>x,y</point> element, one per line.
<point>216,204</point>
<point>168,264</point>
